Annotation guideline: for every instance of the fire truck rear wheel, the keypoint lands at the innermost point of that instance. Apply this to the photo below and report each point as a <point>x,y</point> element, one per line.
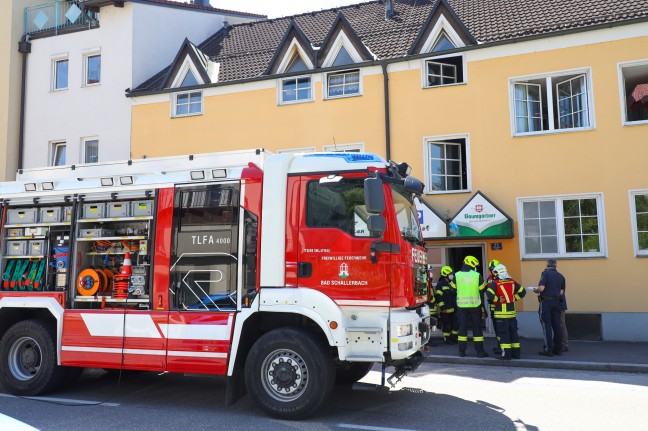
<point>351,372</point>
<point>289,373</point>
<point>28,355</point>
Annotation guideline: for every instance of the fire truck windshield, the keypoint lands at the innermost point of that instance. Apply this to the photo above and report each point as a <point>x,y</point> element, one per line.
<point>406,214</point>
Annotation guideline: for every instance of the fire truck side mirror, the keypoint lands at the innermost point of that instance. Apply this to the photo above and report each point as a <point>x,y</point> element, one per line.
<point>376,225</point>
<point>374,196</point>
<point>413,185</point>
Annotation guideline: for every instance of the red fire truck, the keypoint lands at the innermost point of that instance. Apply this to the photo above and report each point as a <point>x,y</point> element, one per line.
<point>286,273</point>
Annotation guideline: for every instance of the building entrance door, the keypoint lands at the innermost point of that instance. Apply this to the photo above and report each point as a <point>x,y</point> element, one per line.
<point>453,256</point>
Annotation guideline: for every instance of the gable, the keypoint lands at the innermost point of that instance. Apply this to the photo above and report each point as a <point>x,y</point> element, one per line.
<point>342,45</point>
<point>190,67</point>
<point>294,49</point>
<point>442,30</point>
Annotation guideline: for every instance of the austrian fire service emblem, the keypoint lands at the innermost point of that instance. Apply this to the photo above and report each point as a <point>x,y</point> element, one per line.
<point>344,270</point>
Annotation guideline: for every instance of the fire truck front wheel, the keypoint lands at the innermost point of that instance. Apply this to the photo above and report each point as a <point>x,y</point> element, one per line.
<point>289,373</point>
<point>28,355</point>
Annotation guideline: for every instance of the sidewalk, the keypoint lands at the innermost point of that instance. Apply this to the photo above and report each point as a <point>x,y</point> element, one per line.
<point>582,355</point>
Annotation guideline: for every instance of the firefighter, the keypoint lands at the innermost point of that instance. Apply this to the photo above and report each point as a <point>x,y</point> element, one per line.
<point>469,285</point>
<point>432,303</point>
<point>491,307</point>
<point>446,298</point>
<point>503,291</point>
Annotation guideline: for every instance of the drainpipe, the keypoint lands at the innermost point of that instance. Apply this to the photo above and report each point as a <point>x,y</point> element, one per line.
<point>383,64</point>
<point>24,47</point>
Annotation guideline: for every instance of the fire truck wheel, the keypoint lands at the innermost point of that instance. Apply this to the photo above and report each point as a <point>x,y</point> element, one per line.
<point>351,372</point>
<point>28,355</point>
<point>289,373</point>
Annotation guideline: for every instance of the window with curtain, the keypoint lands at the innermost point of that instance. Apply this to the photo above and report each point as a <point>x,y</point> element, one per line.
<point>91,151</point>
<point>550,103</point>
<point>343,84</point>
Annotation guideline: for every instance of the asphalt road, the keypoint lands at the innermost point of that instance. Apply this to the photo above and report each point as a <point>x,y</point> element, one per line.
<point>437,397</point>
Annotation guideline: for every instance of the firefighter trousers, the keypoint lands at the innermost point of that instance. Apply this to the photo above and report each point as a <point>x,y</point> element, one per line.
<point>472,317</point>
<point>507,331</point>
<point>449,326</point>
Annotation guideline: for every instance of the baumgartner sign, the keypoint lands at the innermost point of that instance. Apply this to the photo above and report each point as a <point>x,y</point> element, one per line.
<point>480,218</point>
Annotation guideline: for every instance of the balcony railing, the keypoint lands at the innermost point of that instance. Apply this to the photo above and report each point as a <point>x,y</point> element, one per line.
<point>57,16</point>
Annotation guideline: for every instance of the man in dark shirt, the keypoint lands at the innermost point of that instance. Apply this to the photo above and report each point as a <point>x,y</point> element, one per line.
<point>550,288</point>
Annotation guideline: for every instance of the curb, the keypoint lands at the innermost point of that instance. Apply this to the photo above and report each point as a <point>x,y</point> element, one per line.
<point>536,363</point>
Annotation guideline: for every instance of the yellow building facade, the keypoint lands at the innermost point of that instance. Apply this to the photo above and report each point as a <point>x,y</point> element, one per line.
<point>591,175</point>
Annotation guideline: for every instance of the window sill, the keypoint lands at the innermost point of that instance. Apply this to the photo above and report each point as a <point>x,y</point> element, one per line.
<point>635,123</point>
<point>345,96</point>
<point>187,115</point>
<point>446,192</point>
<point>553,132</point>
<point>295,102</point>
<point>58,90</point>
<point>426,87</point>
<point>91,85</point>
<point>564,257</point>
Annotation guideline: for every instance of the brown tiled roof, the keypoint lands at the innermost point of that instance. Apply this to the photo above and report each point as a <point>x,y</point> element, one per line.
<point>244,50</point>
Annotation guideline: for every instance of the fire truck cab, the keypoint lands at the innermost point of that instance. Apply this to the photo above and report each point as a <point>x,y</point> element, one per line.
<point>285,273</point>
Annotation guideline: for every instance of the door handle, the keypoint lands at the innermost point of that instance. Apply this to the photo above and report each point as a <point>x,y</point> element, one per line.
<point>304,269</point>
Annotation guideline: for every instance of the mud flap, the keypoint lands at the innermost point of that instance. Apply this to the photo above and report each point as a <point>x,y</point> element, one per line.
<point>234,387</point>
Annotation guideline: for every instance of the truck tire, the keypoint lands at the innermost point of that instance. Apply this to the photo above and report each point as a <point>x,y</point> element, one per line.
<point>351,372</point>
<point>289,373</point>
<point>28,359</point>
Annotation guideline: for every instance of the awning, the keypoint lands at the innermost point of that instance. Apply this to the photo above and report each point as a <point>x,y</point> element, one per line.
<point>432,224</point>
<point>480,218</point>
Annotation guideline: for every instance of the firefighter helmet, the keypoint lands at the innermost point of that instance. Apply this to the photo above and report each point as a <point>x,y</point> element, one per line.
<point>446,271</point>
<point>500,271</point>
<point>471,261</point>
<point>492,264</point>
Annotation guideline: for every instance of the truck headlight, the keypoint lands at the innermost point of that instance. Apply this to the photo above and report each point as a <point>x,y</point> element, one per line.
<point>404,330</point>
<point>405,346</point>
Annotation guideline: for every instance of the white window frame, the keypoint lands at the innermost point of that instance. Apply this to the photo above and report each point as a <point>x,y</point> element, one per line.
<point>344,148</point>
<point>442,25</point>
<point>84,143</point>
<point>341,40</point>
<point>187,65</point>
<point>174,104</point>
<point>280,92</point>
<point>560,226</point>
<point>54,148</point>
<point>622,96</point>
<point>342,72</point>
<point>86,58</point>
<point>548,99</point>
<point>55,60</point>
<point>633,222</point>
<point>461,80</point>
<point>297,150</point>
<point>427,140</point>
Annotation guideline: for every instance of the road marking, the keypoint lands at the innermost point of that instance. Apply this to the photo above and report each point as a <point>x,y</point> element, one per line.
<point>64,401</point>
<point>370,428</point>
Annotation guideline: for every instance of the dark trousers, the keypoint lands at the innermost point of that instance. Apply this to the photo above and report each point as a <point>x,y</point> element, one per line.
<point>492,315</point>
<point>472,315</point>
<point>549,312</point>
<point>449,326</point>
<point>507,330</point>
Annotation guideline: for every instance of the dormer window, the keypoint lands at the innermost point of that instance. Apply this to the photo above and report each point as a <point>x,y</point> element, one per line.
<point>189,80</point>
<point>343,57</point>
<point>296,89</point>
<point>443,43</point>
<point>296,65</point>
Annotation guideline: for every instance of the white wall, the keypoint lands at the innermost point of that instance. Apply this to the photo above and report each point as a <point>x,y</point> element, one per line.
<point>136,42</point>
<point>102,110</point>
<point>155,46</point>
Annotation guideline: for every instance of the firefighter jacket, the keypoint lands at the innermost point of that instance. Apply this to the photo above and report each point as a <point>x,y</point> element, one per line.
<point>469,285</point>
<point>503,294</point>
<point>446,296</point>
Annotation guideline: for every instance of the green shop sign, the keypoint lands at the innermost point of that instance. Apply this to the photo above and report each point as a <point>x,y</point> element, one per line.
<point>480,218</point>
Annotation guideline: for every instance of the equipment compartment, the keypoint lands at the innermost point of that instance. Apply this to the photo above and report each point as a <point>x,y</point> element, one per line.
<point>50,215</point>
<point>22,215</point>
